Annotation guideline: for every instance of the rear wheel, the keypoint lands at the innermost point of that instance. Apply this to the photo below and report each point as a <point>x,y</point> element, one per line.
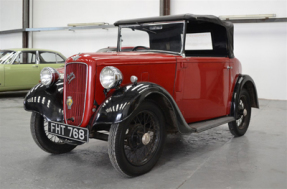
<point>135,145</point>
<point>243,114</point>
<point>46,141</point>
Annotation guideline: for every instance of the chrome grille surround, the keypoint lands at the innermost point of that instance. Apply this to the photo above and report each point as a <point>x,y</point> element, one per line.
<point>66,82</point>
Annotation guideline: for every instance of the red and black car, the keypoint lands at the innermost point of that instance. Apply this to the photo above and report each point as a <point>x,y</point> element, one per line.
<point>180,76</point>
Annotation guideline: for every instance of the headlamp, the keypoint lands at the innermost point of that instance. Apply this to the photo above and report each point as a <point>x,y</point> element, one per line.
<point>49,76</point>
<point>110,77</point>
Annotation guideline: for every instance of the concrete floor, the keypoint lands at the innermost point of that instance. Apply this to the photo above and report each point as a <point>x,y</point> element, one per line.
<point>212,159</point>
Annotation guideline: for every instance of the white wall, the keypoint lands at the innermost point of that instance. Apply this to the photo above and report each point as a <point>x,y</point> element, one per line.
<point>61,12</point>
<point>13,40</point>
<point>261,47</point>
<point>10,18</point>
<point>262,50</point>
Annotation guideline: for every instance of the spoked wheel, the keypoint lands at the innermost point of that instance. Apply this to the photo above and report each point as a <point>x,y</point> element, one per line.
<point>142,138</point>
<point>136,145</point>
<point>46,141</point>
<point>243,114</point>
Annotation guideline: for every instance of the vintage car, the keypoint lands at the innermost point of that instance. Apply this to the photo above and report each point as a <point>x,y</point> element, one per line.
<point>20,68</point>
<point>180,77</point>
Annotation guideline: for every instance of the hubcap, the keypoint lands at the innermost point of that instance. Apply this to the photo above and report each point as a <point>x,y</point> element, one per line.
<point>147,138</point>
<point>244,112</point>
<point>142,138</point>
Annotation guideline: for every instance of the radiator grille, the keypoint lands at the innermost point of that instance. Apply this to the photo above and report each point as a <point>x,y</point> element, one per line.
<point>75,89</point>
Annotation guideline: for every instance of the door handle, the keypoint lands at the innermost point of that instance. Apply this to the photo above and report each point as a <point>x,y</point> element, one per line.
<point>35,66</point>
<point>229,67</point>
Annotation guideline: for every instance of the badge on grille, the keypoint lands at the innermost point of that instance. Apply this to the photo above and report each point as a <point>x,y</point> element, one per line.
<point>69,102</point>
<point>70,77</point>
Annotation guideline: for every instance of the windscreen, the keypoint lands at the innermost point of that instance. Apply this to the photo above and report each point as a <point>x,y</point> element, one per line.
<point>6,57</point>
<point>152,37</point>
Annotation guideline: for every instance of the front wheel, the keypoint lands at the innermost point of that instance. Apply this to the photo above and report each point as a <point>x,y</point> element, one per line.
<point>135,145</point>
<point>46,141</point>
<point>243,114</point>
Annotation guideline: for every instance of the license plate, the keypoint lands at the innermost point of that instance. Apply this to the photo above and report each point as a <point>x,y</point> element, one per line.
<point>68,131</point>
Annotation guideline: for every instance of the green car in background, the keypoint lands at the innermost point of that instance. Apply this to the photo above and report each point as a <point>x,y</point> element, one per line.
<point>20,68</point>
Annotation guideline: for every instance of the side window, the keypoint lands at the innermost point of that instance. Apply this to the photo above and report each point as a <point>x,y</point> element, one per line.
<point>59,59</point>
<point>47,57</point>
<point>50,58</point>
<point>198,41</point>
<point>26,58</point>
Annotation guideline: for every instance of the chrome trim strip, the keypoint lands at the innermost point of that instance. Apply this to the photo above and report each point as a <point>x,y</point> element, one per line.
<point>87,73</point>
<point>182,52</point>
<point>137,87</point>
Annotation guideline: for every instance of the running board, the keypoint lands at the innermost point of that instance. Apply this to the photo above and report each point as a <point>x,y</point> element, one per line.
<point>205,125</point>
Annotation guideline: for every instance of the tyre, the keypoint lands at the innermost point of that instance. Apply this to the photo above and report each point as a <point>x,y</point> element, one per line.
<point>243,114</point>
<point>47,142</point>
<point>136,144</point>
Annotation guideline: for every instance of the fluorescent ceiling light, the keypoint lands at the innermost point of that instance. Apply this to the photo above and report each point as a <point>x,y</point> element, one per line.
<point>88,24</point>
<point>250,16</point>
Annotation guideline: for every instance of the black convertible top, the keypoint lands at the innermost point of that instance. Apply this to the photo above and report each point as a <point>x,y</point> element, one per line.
<point>221,29</point>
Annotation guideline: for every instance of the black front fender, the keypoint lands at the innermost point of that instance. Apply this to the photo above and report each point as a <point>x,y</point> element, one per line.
<point>124,101</point>
<point>46,101</point>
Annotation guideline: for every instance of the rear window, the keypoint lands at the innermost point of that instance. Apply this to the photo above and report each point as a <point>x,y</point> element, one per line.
<point>198,41</point>
<point>206,39</point>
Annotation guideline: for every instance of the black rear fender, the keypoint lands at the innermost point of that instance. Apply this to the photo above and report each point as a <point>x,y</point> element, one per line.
<point>46,101</point>
<point>244,82</point>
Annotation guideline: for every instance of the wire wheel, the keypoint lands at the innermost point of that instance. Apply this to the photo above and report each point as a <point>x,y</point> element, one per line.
<point>135,144</point>
<point>46,141</point>
<point>142,138</point>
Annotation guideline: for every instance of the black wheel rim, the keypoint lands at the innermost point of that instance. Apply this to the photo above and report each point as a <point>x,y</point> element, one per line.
<point>51,137</point>
<point>242,113</point>
<point>142,138</point>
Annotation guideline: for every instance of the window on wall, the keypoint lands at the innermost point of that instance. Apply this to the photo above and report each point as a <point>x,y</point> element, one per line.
<point>26,58</point>
<point>48,58</point>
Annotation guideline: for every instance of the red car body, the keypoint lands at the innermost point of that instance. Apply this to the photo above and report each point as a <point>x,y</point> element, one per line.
<point>211,88</point>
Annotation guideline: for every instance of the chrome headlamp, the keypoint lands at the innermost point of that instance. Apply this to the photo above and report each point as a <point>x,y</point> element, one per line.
<point>49,76</point>
<point>110,77</point>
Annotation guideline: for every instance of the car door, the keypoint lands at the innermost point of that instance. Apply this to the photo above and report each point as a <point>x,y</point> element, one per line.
<point>50,59</point>
<point>202,83</point>
<point>205,88</point>
<point>23,73</point>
